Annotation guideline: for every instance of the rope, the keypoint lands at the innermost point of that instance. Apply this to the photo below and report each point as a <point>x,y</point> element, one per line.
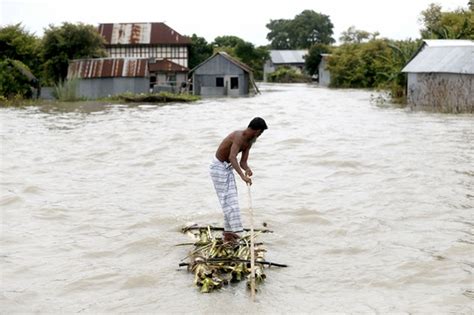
<point>252,250</point>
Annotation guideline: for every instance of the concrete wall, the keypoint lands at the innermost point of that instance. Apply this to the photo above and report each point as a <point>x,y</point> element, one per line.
<point>443,92</point>
<point>204,78</point>
<point>324,76</point>
<point>103,87</point>
<point>268,68</point>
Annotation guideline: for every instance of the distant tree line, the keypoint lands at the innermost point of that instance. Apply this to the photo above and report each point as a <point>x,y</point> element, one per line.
<point>362,60</point>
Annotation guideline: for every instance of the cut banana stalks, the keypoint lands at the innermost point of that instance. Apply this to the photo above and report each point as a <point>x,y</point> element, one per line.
<point>216,263</point>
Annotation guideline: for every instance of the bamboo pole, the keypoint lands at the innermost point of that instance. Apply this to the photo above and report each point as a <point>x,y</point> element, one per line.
<point>252,250</point>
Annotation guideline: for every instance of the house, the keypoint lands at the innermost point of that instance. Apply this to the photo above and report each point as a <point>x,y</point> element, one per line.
<point>159,53</point>
<point>280,58</point>
<point>145,40</point>
<point>441,76</point>
<point>324,76</point>
<point>102,77</point>
<point>222,75</point>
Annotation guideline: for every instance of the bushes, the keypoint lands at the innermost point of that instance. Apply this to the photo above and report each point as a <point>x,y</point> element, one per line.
<point>66,91</point>
<point>375,64</point>
<point>288,75</point>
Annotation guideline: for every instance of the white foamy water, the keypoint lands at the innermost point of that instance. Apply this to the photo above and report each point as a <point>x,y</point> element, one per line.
<point>372,207</point>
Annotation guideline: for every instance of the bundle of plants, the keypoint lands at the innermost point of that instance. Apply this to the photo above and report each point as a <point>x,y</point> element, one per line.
<point>163,97</point>
<point>216,263</point>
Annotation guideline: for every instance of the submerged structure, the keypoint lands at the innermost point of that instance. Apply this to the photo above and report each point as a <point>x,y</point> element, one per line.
<point>222,75</point>
<point>142,57</point>
<point>441,76</point>
<point>293,59</point>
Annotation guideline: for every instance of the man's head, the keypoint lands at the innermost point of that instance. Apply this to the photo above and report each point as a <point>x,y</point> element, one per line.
<point>257,125</point>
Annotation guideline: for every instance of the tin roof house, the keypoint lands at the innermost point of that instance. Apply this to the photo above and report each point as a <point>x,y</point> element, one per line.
<point>222,75</point>
<point>290,58</point>
<point>441,76</point>
<point>142,57</point>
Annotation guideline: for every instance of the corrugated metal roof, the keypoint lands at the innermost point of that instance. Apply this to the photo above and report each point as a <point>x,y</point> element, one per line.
<point>443,59</point>
<point>228,57</point>
<point>166,66</point>
<point>107,68</point>
<point>141,33</point>
<point>288,56</point>
<point>448,42</point>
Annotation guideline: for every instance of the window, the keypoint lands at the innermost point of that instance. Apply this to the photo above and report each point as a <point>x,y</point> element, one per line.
<point>220,81</point>
<point>234,83</point>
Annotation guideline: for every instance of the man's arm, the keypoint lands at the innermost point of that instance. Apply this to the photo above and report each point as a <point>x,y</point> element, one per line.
<point>234,150</point>
<point>243,162</point>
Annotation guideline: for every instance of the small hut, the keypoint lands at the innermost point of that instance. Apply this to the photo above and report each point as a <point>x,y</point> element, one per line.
<point>222,75</point>
<point>294,59</point>
<point>441,76</point>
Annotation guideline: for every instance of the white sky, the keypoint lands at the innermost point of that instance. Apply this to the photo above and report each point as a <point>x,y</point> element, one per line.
<point>395,19</point>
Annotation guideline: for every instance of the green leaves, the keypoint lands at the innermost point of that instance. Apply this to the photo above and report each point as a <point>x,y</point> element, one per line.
<point>437,24</point>
<point>67,42</point>
<point>215,263</point>
<point>305,30</point>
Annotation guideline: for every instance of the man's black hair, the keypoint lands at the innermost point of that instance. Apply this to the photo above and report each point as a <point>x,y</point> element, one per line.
<point>258,124</point>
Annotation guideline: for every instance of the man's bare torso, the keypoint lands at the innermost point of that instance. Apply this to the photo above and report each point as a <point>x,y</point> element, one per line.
<point>236,137</point>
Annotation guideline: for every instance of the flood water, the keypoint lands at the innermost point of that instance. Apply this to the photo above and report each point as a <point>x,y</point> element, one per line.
<point>372,207</point>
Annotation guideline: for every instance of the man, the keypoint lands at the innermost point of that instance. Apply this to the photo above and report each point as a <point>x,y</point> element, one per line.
<point>223,178</point>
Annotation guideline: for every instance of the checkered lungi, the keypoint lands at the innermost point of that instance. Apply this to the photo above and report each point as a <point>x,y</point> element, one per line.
<point>226,189</point>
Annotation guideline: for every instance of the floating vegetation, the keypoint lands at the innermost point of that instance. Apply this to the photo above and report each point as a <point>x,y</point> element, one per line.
<point>216,263</point>
<point>163,97</point>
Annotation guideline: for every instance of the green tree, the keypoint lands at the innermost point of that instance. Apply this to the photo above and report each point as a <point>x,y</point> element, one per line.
<point>437,24</point>
<point>360,65</point>
<point>279,35</point>
<point>313,58</point>
<point>199,51</point>
<point>18,44</point>
<point>13,81</point>
<point>227,41</point>
<point>19,61</point>
<point>253,57</point>
<point>66,42</point>
<point>305,30</point>
<point>353,35</point>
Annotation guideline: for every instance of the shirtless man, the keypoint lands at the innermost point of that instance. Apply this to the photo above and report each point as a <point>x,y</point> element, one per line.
<point>223,178</point>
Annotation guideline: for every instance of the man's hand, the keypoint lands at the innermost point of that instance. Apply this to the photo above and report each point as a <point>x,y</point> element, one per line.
<point>247,179</point>
<point>248,172</point>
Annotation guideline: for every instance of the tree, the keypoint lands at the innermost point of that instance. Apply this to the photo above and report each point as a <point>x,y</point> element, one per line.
<point>279,35</point>
<point>199,51</point>
<point>18,44</point>
<point>67,42</point>
<point>305,30</point>
<point>353,35</point>
<point>313,58</point>
<point>227,41</point>
<point>19,59</point>
<point>437,24</point>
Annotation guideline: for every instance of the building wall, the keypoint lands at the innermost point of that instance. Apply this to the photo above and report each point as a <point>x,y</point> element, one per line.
<point>204,78</point>
<point>443,92</point>
<point>268,68</point>
<point>324,76</point>
<point>174,53</point>
<point>103,87</point>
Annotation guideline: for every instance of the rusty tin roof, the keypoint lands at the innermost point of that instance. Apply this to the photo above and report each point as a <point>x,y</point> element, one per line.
<point>165,65</point>
<point>141,34</point>
<point>107,68</point>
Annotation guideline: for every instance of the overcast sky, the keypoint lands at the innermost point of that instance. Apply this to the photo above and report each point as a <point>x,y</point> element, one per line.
<point>396,19</point>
